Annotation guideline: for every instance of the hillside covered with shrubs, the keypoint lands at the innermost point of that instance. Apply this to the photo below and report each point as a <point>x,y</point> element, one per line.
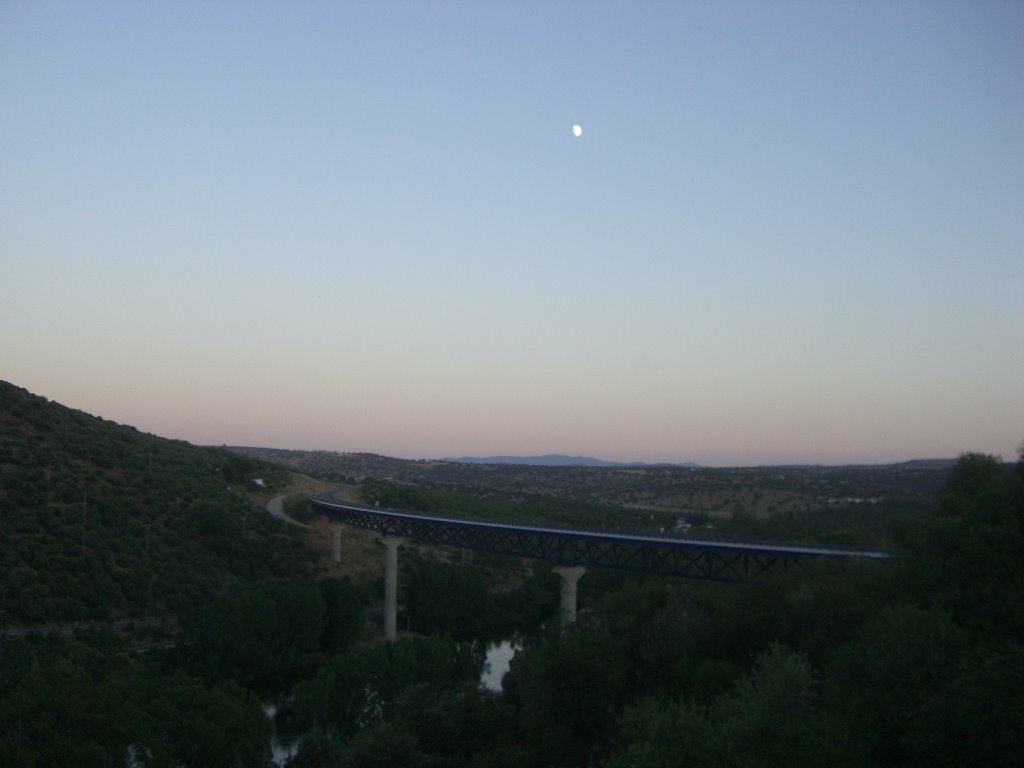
<point>101,521</point>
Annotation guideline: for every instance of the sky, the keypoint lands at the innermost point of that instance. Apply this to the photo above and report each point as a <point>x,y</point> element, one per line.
<point>791,232</point>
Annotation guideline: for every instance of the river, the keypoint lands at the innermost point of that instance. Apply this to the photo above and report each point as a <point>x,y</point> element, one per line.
<point>499,655</point>
<point>280,749</point>
<point>496,664</point>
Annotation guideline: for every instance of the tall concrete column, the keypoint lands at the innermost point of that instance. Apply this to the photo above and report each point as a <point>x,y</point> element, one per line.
<point>570,577</point>
<point>336,542</point>
<point>391,588</point>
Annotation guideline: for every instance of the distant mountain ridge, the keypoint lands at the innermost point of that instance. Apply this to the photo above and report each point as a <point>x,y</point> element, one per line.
<point>555,460</point>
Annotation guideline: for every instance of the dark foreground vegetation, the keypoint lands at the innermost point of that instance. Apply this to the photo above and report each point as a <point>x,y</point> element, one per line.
<point>914,662</point>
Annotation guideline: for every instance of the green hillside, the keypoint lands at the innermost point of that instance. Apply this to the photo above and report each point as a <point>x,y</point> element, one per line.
<point>101,521</point>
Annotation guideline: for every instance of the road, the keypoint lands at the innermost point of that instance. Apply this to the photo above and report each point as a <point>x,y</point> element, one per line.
<point>276,507</point>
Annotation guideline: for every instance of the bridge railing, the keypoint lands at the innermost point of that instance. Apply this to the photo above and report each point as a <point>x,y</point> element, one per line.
<point>639,538</point>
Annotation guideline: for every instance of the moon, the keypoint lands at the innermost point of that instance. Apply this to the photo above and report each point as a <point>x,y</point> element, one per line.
<point>577,131</point>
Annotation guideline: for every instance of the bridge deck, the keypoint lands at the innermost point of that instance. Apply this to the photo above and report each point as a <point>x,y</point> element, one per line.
<point>718,559</point>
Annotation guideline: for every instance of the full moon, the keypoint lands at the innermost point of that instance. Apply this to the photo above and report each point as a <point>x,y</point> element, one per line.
<point>577,131</point>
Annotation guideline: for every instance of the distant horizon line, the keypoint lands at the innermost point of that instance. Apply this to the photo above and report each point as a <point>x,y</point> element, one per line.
<point>572,460</point>
<point>529,459</point>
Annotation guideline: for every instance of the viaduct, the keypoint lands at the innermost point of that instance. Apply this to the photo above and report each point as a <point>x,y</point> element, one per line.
<point>571,550</point>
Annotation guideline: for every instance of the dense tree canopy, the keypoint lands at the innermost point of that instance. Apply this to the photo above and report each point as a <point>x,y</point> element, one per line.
<point>103,522</point>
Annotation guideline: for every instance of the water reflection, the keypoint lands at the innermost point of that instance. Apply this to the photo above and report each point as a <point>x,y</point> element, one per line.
<point>282,743</point>
<point>285,734</point>
<point>497,661</point>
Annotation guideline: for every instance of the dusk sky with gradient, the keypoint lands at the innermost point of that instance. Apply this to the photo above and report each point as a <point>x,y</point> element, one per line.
<point>791,232</point>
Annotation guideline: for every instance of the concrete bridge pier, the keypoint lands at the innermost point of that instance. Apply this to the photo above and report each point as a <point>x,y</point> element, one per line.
<point>570,575</point>
<point>336,542</point>
<point>391,587</point>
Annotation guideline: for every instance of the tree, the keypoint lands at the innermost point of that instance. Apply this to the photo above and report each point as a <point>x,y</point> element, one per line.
<point>449,598</point>
<point>568,695</point>
<point>53,718</point>
<point>252,636</point>
<point>15,663</point>
<point>899,662</point>
<point>456,725</point>
<point>343,617</point>
<point>341,698</point>
<point>356,689</point>
<point>772,718</point>
<point>91,709</point>
<point>979,491</point>
<point>976,717</point>
<point>967,558</point>
<point>299,621</point>
<point>659,733</point>
<point>208,726</point>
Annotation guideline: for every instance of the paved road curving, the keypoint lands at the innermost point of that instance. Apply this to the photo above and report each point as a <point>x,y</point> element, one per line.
<point>276,507</point>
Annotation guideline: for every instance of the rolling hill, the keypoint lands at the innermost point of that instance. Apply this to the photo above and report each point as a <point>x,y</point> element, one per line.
<point>715,491</point>
<point>547,460</point>
<point>101,521</point>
